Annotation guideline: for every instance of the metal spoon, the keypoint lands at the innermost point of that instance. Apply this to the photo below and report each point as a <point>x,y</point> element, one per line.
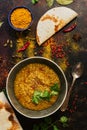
<point>76,73</point>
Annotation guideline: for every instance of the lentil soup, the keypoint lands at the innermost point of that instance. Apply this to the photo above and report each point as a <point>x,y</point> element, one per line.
<point>35,86</point>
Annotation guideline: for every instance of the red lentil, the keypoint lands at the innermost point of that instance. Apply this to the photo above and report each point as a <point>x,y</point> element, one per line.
<point>57,51</point>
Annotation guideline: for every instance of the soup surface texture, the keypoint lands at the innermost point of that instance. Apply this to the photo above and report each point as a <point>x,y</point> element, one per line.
<point>36,86</point>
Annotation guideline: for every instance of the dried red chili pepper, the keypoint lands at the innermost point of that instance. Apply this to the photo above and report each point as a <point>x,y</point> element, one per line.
<point>70,28</point>
<point>86,83</point>
<point>24,47</point>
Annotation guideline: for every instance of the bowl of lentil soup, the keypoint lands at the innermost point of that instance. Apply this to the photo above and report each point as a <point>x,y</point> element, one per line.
<point>20,18</point>
<point>36,87</point>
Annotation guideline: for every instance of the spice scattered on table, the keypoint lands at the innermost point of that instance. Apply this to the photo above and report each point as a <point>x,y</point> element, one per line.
<point>73,107</point>
<point>47,48</point>
<point>3,71</point>
<point>24,47</point>
<point>57,51</point>
<point>30,49</point>
<point>19,44</point>
<point>8,43</point>
<point>53,50</point>
<point>77,37</point>
<point>21,18</point>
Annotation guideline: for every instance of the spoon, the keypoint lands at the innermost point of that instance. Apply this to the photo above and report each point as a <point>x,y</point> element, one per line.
<point>76,73</point>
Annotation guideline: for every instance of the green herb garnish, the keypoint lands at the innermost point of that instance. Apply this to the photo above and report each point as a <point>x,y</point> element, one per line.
<point>54,93</point>
<point>35,127</point>
<point>64,120</point>
<point>45,95</point>
<point>36,97</point>
<point>39,95</point>
<point>55,87</point>
<point>1,23</point>
<point>47,123</point>
<point>34,1</point>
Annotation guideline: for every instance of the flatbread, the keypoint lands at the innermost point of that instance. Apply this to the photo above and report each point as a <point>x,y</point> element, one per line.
<point>8,120</point>
<point>52,21</point>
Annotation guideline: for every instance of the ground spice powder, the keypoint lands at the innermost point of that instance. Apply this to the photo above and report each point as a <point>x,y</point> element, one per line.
<point>21,18</point>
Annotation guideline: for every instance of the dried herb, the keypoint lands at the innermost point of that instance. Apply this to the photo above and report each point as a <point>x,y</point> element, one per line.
<point>50,2</point>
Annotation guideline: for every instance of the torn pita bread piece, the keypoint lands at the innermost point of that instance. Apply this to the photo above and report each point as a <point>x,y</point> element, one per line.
<point>8,120</point>
<point>52,21</point>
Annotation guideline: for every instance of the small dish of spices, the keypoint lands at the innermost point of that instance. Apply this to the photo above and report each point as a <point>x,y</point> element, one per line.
<point>20,18</point>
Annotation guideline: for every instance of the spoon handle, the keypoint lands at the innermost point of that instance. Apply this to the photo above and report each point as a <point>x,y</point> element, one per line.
<point>65,104</point>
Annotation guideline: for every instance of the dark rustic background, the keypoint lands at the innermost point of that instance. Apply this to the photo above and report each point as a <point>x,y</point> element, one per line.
<point>75,50</point>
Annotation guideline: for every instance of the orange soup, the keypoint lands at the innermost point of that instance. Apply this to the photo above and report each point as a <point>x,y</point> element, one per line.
<point>36,86</point>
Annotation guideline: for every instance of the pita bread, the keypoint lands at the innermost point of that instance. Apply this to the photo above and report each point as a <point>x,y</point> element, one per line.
<point>52,21</point>
<point>8,120</point>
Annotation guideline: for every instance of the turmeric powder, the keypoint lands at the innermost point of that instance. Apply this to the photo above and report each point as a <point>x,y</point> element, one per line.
<point>21,18</point>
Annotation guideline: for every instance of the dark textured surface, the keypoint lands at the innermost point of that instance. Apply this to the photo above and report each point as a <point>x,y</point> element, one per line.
<point>77,110</point>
